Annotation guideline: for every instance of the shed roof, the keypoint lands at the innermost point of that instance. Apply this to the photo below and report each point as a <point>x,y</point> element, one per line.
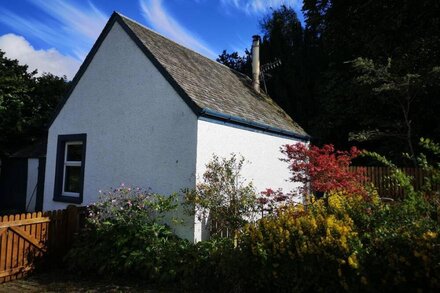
<point>36,150</point>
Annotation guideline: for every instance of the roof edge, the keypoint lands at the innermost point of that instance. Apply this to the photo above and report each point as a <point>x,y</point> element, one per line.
<point>193,105</point>
<point>182,45</point>
<point>116,17</point>
<point>83,67</point>
<point>208,113</point>
<point>198,111</point>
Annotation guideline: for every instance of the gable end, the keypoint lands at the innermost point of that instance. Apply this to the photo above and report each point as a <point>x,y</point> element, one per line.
<point>117,18</point>
<point>199,111</point>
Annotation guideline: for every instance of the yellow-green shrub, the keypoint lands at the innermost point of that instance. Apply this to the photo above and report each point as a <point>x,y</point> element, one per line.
<point>342,242</point>
<point>402,247</point>
<point>301,244</point>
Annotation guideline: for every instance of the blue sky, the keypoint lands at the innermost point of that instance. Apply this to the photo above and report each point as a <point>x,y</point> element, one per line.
<point>56,35</point>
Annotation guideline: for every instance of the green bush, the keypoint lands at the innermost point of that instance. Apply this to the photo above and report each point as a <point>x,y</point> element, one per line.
<point>402,247</point>
<point>303,249</point>
<point>343,243</point>
<point>124,235</point>
<point>223,196</point>
<point>212,265</point>
<point>335,243</point>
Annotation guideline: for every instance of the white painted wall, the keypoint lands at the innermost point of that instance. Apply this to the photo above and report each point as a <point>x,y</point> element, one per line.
<point>139,130</point>
<point>261,151</point>
<point>31,189</point>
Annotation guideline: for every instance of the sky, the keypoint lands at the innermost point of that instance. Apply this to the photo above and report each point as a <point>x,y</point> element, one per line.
<point>56,35</point>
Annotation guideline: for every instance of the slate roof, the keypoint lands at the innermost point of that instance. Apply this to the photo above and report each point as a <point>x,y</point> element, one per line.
<point>211,85</point>
<point>211,89</point>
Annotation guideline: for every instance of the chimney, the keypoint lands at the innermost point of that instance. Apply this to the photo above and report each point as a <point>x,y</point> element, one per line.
<point>256,63</point>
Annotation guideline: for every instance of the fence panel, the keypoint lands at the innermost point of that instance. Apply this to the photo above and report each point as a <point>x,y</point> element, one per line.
<point>380,177</point>
<point>27,237</point>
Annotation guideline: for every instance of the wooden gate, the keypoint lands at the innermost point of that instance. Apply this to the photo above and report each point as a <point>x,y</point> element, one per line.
<point>22,239</point>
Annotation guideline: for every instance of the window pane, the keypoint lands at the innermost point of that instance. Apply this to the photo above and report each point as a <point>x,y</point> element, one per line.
<point>74,152</point>
<point>71,179</point>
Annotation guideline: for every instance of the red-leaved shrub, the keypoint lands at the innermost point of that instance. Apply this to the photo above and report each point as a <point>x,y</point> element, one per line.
<point>324,169</point>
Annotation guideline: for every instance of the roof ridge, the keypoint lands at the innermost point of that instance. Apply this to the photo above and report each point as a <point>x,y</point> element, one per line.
<point>230,94</point>
<point>211,85</point>
<point>181,45</point>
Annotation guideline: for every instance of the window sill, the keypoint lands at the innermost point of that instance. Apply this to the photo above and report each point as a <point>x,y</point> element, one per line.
<point>68,199</point>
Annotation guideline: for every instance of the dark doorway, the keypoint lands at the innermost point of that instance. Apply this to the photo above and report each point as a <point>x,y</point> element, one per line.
<point>13,185</point>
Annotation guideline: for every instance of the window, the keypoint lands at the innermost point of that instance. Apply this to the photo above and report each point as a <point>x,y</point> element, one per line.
<point>69,177</point>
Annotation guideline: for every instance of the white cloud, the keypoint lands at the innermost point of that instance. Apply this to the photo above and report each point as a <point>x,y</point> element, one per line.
<point>161,21</point>
<point>71,27</point>
<point>85,21</point>
<point>17,47</point>
<point>260,6</point>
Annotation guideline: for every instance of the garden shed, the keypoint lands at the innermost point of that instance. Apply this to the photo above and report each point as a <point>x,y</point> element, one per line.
<point>22,180</point>
<point>149,112</point>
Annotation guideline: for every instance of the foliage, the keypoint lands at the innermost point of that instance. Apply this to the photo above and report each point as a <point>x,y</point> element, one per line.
<point>321,85</point>
<point>433,168</point>
<point>211,265</point>
<point>401,247</point>
<point>345,31</point>
<point>343,243</point>
<point>324,169</point>
<point>302,250</point>
<point>423,161</point>
<point>125,235</point>
<point>239,63</point>
<point>15,85</point>
<point>271,199</point>
<point>335,243</point>
<point>47,93</point>
<point>291,84</point>
<point>401,93</point>
<point>224,196</point>
<point>394,237</point>
<point>26,104</point>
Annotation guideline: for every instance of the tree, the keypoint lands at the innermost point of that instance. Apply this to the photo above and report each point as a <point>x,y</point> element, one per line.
<point>239,63</point>
<point>290,84</point>
<point>223,196</point>
<point>324,169</point>
<point>405,32</point>
<point>400,94</point>
<point>15,87</point>
<point>322,86</point>
<point>26,104</point>
<point>48,92</point>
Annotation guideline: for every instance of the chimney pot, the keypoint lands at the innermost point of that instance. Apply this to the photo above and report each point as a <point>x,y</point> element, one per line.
<point>256,63</point>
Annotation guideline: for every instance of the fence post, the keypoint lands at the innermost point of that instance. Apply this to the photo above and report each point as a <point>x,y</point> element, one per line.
<point>72,225</point>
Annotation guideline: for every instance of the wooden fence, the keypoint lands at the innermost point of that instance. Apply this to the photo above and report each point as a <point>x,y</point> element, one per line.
<point>380,177</point>
<point>26,238</point>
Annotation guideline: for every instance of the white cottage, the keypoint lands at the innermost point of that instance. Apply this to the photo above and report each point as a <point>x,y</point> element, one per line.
<point>149,112</point>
